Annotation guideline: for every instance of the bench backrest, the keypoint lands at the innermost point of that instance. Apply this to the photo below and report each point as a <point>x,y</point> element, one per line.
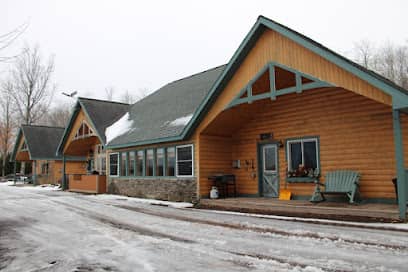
<point>341,180</point>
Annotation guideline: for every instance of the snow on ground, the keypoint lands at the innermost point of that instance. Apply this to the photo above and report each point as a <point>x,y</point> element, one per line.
<point>120,127</point>
<point>22,185</point>
<point>396,226</point>
<point>146,201</point>
<point>43,230</point>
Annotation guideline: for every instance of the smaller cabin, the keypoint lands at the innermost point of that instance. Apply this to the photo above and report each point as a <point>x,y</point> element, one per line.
<point>37,145</point>
<point>85,137</point>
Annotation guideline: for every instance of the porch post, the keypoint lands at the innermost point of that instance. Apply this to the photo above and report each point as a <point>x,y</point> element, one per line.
<point>64,179</point>
<point>34,172</point>
<point>399,158</point>
<point>14,171</point>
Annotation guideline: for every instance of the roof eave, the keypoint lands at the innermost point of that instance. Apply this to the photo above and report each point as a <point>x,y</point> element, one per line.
<point>61,144</point>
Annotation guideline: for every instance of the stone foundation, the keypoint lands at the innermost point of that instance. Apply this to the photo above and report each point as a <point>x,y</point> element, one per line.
<point>168,189</point>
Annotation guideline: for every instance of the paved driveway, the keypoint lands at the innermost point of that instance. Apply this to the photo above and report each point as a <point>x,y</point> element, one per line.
<point>44,230</point>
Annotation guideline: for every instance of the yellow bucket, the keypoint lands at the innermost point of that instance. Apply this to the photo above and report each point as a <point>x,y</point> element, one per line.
<point>285,194</point>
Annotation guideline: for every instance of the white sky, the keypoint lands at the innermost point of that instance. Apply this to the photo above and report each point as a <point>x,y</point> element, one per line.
<point>132,45</point>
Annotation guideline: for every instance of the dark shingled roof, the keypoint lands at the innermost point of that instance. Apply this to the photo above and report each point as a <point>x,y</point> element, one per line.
<point>42,141</point>
<point>152,116</point>
<point>103,113</point>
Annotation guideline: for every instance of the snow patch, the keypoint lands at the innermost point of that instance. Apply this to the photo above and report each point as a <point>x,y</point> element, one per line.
<point>47,187</point>
<point>120,127</point>
<point>179,205</point>
<point>7,183</point>
<point>181,121</point>
<point>396,226</point>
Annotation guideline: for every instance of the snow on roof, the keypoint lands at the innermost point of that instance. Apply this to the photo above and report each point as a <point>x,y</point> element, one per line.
<point>181,121</point>
<point>120,127</point>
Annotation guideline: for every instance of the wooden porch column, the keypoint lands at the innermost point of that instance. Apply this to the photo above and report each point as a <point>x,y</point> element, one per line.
<point>34,172</point>
<point>64,179</point>
<point>15,170</point>
<point>399,159</point>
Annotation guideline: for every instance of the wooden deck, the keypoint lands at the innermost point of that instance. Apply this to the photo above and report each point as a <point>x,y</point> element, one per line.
<point>370,212</point>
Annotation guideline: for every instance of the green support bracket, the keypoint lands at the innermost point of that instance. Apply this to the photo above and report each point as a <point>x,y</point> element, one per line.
<point>34,173</point>
<point>273,93</point>
<point>272,81</point>
<point>399,158</point>
<point>64,178</point>
<point>249,94</point>
<point>298,83</point>
<point>14,171</point>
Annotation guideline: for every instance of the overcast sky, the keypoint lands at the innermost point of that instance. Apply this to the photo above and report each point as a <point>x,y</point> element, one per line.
<point>134,45</point>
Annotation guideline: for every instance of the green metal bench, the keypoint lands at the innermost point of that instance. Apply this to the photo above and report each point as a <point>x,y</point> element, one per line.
<point>337,182</point>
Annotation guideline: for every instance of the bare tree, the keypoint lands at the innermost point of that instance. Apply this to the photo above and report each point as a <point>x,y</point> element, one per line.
<point>128,98</point>
<point>6,123</point>
<point>58,117</point>
<point>389,60</point>
<point>109,92</point>
<point>7,39</point>
<point>31,86</point>
<point>364,53</point>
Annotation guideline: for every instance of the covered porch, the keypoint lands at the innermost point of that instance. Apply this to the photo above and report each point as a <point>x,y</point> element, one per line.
<point>364,212</point>
<point>91,178</point>
<point>284,130</point>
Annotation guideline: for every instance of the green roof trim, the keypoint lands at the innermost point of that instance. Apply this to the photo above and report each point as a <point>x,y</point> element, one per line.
<point>72,118</point>
<point>41,141</point>
<point>99,114</point>
<point>398,94</point>
<point>18,138</point>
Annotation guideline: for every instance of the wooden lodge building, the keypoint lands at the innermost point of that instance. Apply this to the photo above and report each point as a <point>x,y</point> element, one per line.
<point>283,112</point>
<point>85,137</point>
<point>282,101</point>
<point>37,144</point>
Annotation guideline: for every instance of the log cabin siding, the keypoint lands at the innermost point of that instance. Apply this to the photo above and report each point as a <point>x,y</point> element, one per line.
<point>215,157</point>
<point>354,132</point>
<point>271,46</point>
<point>55,170</point>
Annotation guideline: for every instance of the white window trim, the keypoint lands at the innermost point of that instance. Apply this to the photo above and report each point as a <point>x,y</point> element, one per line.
<point>301,141</point>
<point>117,154</point>
<point>192,161</point>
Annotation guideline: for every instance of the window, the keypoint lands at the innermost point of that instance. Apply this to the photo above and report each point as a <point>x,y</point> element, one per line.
<point>44,168</point>
<point>24,147</point>
<point>103,165</point>
<point>139,163</point>
<point>114,164</point>
<point>160,162</point>
<point>184,158</point>
<point>303,152</point>
<point>83,131</point>
<point>170,161</point>
<point>149,162</point>
<point>123,160</point>
<point>131,163</point>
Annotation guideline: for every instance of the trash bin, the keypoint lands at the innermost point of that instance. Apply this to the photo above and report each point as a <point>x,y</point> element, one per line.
<point>394,181</point>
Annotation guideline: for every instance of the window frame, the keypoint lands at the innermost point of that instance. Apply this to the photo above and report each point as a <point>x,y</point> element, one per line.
<point>302,140</point>
<point>147,165</point>
<point>117,167</point>
<point>163,162</point>
<point>129,163</point>
<point>167,161</point>
<point>192,161</point>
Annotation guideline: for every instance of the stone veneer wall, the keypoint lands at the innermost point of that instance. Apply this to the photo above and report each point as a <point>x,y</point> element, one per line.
<point>170,189</point>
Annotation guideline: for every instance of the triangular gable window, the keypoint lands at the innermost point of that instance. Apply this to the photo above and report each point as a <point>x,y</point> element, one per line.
<point>24,147</point>
<point>84,131</point>
<point>275,80</point>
